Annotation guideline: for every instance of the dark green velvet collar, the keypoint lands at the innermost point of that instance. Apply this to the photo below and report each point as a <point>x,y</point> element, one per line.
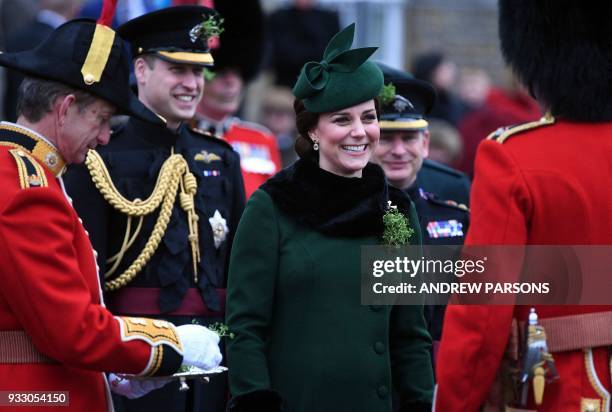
<point>332,204</point>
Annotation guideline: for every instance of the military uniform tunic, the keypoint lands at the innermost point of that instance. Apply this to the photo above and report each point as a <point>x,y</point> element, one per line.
<point>446,183</point>
<point>166,287</point>
<point>443,223</point>
<point>537,184</point>
<point>55,333</point>
<point>257,146</point>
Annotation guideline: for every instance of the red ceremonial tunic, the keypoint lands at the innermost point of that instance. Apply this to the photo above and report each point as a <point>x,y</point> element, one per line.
<point>546,184</point>
<point>259,154</point>
<point>55,333</point>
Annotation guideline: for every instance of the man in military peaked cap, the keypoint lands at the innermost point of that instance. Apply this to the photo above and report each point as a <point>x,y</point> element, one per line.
<point>529,180</point>
<point>56,334</point>
<point>403,146</point>
<point>166,257</point>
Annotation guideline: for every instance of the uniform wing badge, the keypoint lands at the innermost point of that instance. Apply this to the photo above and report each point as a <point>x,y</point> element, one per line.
<point>206,157</point>
<point>219,228</point>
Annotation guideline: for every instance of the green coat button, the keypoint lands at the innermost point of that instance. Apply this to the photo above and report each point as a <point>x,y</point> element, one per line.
<point>379,348</point>
<point>383,391</point>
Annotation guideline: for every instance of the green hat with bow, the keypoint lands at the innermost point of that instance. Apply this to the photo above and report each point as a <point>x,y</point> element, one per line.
<point>342,79</point>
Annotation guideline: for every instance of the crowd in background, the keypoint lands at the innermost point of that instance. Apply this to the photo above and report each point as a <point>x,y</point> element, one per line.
<point>364,153</point>
<point>469,105</point>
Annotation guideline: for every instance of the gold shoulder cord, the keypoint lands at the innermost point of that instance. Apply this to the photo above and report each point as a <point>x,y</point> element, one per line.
<point>174,173</point>
<point>503,134</point>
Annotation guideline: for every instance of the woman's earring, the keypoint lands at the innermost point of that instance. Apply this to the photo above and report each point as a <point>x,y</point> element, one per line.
<point>315,146</point>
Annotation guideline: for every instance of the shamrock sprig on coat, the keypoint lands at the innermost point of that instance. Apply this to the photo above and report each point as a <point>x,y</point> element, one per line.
<point>397,230</point>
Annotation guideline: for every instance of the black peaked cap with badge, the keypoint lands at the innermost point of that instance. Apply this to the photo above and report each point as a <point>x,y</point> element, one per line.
<point>86,56</point>
<point>413,100</point>
<point>175,34</point>
<point>405,111</point>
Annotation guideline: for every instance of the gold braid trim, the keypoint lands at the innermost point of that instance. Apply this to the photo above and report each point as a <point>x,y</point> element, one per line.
<point>596,384</point>
<point>174,173</point>
<point>102,180</point>
<point>189,186</point>
<point>504,133</point>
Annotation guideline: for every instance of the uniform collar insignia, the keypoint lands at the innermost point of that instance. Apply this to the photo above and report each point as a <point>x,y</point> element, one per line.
<point>34,180</point>
<point>206,157</point>
<point>457,205</point>
<point>35,144</point>
<point>219,129</point>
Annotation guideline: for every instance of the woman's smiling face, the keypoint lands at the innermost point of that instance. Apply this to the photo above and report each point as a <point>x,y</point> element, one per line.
<point>347,138</point>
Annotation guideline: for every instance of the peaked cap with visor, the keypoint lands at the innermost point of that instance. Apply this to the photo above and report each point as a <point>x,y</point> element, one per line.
<point>175,34</point>
<point>411,102</point>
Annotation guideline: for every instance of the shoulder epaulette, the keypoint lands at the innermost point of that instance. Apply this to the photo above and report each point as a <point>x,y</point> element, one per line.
<point>202,132</point>
<point>31,173</point>
<point>504,133</point>
<point>210,136</point>
<point>450,203</point>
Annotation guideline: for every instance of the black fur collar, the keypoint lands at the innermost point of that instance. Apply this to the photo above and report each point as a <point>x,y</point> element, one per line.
<point>332,204</point>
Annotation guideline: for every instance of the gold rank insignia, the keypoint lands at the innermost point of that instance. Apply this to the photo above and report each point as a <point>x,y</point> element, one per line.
<point>31,173</point>
<point>206,157</point>
<point>457,205</point>
<point>34,180</point>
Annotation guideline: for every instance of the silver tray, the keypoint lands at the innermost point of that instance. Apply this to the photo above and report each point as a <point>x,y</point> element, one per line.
<point>182,377</point>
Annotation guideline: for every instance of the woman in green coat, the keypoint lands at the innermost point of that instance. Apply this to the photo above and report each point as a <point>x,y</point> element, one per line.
<point>303,341</point>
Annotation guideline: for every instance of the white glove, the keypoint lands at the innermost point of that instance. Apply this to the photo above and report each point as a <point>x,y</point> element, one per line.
<point>132,388</point>
<point>200,346</point>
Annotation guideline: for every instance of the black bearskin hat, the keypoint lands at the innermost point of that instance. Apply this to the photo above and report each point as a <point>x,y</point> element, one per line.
<point>242,41</point>
<point>562,51</point>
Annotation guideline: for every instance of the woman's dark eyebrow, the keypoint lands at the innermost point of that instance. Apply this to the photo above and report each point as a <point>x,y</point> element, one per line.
<point>347,113</point>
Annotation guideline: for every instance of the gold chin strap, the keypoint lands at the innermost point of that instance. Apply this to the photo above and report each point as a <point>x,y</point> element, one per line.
<point>174,173</point>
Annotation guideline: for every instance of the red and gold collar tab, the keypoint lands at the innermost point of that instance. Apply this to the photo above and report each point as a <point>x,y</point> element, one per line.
<point>18,136</point>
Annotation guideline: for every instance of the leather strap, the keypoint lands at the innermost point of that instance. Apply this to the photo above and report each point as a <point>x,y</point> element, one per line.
<point>575,332</point>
